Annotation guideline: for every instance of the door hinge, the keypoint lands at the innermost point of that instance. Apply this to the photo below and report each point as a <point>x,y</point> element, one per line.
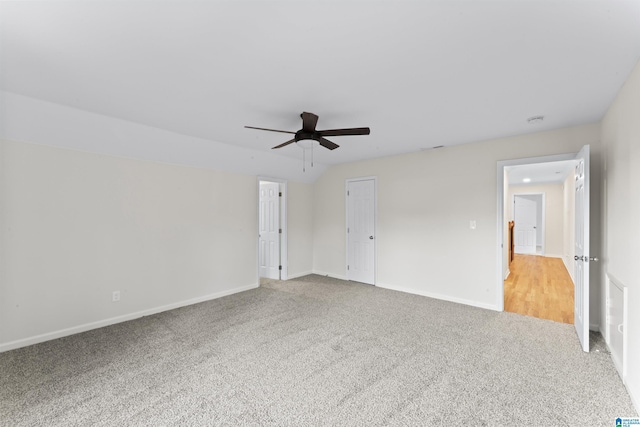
<point>279,267</point>
<point>348,230</point>
<point>347,267</point>
<point>280,230</point>
<point>347,192</point>
<point>280,194</point>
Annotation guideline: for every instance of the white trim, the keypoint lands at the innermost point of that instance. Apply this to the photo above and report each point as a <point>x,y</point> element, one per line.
<point>284,253</point>
<point>634,394</point>
<point>333,276</point>
<point>566,266</point>
<point>506,276</point>
<point>118,319</point>
<point>296,275</point>
<point>375,222</point>
<point>500,214</point>
<point>553,256</point>
<point>439,297</point>
<point>611,280</point>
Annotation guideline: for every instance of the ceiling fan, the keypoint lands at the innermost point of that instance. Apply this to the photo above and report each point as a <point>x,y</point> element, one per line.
<point>308,131</point>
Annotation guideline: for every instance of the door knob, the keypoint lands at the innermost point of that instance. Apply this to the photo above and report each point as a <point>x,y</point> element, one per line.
<point>371,237</point>
<point>594,258</point>
<point>580,258</point>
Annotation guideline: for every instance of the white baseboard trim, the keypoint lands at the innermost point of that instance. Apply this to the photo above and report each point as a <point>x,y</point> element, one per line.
<point>564,261</point>
<point>506,276</point>
<point>595,328</point>
<point>24,342</point>
<point>334,276</point>
<point>553,256</point>
<point>440,297</point>
<point>634,394</point>
<point>296,275</point>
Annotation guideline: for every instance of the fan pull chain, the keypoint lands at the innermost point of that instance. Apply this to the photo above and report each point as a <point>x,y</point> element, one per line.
<point>303,159</point>
<point>312,154</point>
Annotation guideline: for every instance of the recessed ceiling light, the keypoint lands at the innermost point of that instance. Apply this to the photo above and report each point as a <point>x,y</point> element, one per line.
<point>535,120</point>
<point>526,180</point>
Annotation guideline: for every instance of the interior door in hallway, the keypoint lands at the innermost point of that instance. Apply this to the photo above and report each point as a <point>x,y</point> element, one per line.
<point>581,266</point>
<point>269,229</point>
<point>361,230</point>
<point>525,217</point>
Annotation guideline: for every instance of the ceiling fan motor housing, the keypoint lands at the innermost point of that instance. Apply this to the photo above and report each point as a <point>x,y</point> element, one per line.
<point>301,135</point>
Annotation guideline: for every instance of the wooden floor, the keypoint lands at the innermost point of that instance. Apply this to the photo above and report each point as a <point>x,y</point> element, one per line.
<point>540,287</point>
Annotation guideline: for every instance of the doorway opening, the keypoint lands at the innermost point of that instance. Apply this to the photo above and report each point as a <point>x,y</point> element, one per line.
<point>528,215</point>
<point>575,252</point>
<point>272,229</point>
<point>537,283</point>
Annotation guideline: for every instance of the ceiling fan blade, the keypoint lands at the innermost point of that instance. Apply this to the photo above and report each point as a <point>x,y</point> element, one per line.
<point>283,144</point>
<point>309,121</point>
<point>341,132</point>
<point>270,130</point>
<point>327,144</point>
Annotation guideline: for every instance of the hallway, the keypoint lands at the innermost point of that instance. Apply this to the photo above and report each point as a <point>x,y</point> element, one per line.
<point>539,287</point>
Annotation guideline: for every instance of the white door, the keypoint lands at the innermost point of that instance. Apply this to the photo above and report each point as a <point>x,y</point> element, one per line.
<point>525,220</point>
<point>581,269</point>
<point>361,231</point>
<point>269,229</point>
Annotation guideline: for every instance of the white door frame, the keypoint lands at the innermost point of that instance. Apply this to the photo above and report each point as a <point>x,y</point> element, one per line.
<point>542,220</point>
<point>284,275</point>
<point>375,223</point>
<point>500,226</point>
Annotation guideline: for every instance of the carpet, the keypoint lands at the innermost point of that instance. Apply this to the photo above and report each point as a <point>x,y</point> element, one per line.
<point>315,351</point>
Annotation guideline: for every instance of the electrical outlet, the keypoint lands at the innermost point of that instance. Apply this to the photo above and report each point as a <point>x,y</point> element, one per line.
<point>472,224</point>
<point>115,296</point>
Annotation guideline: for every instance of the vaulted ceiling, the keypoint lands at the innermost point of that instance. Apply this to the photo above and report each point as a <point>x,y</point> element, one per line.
<point>419,74</point>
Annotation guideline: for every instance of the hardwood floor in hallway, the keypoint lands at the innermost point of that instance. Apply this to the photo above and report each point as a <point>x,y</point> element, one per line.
<point>539,287</point>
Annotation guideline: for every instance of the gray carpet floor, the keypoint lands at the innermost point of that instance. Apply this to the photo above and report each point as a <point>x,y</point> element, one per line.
<point>315,351</point>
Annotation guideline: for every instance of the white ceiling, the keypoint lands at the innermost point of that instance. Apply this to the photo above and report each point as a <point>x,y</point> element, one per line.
<point>540,173</point>
<point>419,74</point>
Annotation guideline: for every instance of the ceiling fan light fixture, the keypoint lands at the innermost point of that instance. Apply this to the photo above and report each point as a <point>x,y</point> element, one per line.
<point>306,143</point>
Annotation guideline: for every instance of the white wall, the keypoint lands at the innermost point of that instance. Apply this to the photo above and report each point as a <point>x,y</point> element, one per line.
<point>35,121</point>
<point>621,211</point>
<point>425,203</point>
<point>554,204</point>
<point>300,224</point>
<point>76,226</point>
